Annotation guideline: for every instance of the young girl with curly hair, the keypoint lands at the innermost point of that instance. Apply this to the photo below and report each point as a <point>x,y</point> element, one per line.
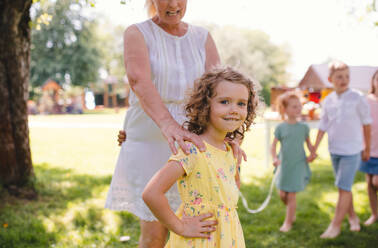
<point>294,172</point>
<point>222,107</point>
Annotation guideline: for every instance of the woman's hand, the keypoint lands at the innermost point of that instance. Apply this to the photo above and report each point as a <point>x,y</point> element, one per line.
<point>197,226</point>
<point>121,137</point>
<point>174,133</point>
<point>237,151</point>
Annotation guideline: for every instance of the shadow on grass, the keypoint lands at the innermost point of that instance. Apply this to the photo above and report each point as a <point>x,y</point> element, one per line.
<point>314,213</point>
<point>68,213</point>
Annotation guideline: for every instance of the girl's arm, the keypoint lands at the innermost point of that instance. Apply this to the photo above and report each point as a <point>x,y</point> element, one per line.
<point>138,71</point>
<point>154,196</point>
<point>367,137</point>
<point>273,152</point>
<point>311,149</point>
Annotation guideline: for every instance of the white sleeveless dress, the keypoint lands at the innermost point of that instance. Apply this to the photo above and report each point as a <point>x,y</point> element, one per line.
<point>175,63</point>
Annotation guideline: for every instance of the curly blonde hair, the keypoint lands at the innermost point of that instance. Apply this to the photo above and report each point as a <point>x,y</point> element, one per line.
<point>283,101</point>
<point>198,106</point>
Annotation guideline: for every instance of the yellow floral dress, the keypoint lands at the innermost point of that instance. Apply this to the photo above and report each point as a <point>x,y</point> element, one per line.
<point>209,187</point>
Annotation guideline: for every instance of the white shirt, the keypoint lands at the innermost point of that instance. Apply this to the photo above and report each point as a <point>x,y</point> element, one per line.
<point>342,118</point>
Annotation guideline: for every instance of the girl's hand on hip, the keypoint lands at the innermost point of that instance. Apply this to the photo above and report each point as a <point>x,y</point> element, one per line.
<point>197,226</point>
<point>174,133</point>
<point>121,137</point>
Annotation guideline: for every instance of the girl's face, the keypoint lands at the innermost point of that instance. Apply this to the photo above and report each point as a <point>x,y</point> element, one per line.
<point>294,108</point>
<point>228,108</point>
<point>170,11</point>
<point>340,80</point>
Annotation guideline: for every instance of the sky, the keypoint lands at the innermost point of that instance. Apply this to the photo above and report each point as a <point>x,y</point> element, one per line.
<point>314,30</point>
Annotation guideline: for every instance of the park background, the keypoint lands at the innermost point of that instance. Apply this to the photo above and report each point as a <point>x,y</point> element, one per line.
<point>79,46</point>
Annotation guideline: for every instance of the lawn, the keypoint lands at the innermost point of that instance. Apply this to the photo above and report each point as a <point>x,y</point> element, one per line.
<point>74,165</point>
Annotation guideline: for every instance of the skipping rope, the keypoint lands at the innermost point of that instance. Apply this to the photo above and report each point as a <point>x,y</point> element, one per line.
<point>267,199</point>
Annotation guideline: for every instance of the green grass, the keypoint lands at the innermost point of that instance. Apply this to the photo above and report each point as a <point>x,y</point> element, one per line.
<point>73,167</point>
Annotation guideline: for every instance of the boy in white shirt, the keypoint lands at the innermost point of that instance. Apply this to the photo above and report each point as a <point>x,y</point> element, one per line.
<point>344,112</point>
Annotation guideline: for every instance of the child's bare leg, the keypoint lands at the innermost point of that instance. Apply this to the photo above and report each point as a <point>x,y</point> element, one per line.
<point>354,221</point>
<point>372,187</point>
<point>342,207</point>
<point>290,212</point>
<point>283,196</point>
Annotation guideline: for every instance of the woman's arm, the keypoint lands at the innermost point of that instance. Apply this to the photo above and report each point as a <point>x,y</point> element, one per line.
<point>237,176</point>
<point>236,150</point>
<point>273,152</point>
<point>154,197</point>
<point>212,56</point>
<point>138,71</point>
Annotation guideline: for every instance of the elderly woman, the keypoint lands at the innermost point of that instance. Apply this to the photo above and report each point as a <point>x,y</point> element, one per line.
<point>163,56</point>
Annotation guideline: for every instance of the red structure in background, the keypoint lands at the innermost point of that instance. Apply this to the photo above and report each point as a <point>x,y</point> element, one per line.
<point>314,96</point>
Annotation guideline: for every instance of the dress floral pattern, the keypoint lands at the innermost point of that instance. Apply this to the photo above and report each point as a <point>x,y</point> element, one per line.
<point>209,187</point>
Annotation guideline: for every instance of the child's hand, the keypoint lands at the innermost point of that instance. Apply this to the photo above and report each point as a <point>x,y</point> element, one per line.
<point>197,226</point>
<point>121,137</point>
<point>312,157</point>
<point>365,155</point>
<point>276,162</point>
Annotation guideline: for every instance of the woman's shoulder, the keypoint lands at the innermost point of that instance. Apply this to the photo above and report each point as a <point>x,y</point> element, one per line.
<point>140,28</point>
<point>198,28</point>
<point>198,31</point>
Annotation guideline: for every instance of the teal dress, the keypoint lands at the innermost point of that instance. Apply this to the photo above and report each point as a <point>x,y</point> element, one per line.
<point>294,172</point>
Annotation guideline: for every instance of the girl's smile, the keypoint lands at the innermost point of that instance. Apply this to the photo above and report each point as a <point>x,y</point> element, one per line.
<point>228,108</point>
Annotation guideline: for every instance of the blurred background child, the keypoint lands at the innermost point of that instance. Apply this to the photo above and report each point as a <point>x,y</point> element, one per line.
<point>344,113</point>
<point>294,172</point>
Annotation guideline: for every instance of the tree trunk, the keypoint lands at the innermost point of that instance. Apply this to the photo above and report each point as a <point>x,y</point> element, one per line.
<point>16,169</point>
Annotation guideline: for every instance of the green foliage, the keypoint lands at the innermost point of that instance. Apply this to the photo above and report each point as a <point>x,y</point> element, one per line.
<point>64,44</point>
<point>254,54</point>
<point>111,40</point>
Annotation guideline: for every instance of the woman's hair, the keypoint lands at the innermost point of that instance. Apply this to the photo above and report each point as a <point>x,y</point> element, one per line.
<point>151,10</point>
<point>198,106</point>
<point>283,101</point>
<point>372,89</point>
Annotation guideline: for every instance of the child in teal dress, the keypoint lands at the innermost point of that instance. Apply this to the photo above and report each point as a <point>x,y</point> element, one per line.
<point>294,172</point>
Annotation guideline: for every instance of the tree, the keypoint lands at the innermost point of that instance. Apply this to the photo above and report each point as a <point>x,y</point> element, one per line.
<point>254,54</point>
<point>16,169</point>
<point>15,159</point>
<point>364,11</point>
<point>111,40</point>
<point>67,48</point>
